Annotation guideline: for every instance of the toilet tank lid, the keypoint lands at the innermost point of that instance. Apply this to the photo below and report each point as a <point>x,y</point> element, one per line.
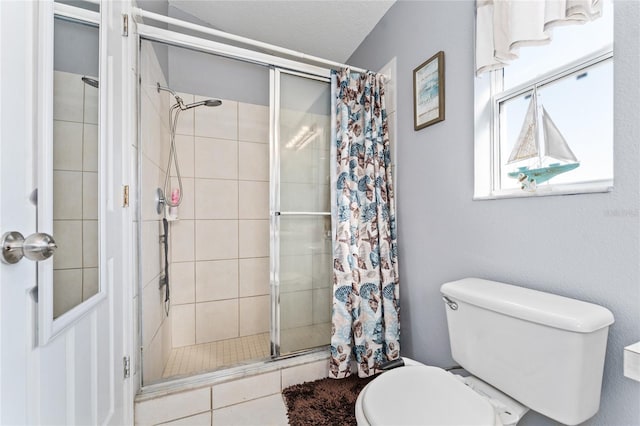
<point>531,305</point>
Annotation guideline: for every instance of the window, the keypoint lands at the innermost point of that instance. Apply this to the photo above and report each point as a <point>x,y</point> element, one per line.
<point>544,124</point>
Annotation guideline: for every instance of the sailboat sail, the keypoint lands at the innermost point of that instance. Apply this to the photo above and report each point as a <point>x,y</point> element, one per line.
<point>527,145</point>
<point>555,146</point>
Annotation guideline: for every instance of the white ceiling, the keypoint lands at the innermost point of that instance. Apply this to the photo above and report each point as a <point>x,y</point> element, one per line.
<point>329,29</point>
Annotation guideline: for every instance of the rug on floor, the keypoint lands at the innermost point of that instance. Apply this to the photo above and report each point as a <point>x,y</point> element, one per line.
<point>324,402</point>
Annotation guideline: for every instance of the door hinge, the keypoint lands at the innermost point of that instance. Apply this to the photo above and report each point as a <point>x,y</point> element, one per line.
<point>126,362</point>
<point>125,196</point>
<point>125,25</point>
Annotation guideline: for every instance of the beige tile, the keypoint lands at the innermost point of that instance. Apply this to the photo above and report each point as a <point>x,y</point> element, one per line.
<point>153,132</point>
<point>295,309</point>
<point>186,155</point>
<point>174,406</point>
<point>167,343</point>
<point>305,373</point>
<point>216,320</point>
<point>67,195</point>
<point>152,179</point>
<point>185,119</point>
<point>254,276</point>
<point>91,103</point>
<point>182,279</point>
<point>255,315</point>
<point>186,207</point>
<point>152,312</point>
<point>203,419</point>
<point>254,238</point>
<point>90,195</point>
<point>68,90</point>
<point>183,326</point>
<point>216,239</point>
<point>301,197</point>
<point>150,258</point>
<point>297,166</point>
<point>322,270</point>
<point>269,410</point>
<point>152,360</point>
<point>246,389</point>
<point>295,273</point>
<point>254,200</point>
<point>216,199</point>
<point>182,240</point>
<point>68,235</point>
<point>253,123</point>
<point>216,280</point>
<point>216,158</point>
<point>254,161</point>
<point>90,282</point>
<point>322,305</point>
<point>67,290</point>
<point>67,145</point>
<point>217,122</point>
<point>90,243</point>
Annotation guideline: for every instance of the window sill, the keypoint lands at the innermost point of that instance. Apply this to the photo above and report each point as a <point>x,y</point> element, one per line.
<point>549,190</point>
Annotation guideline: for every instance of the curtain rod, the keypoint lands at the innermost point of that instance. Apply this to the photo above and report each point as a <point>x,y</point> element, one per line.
<point>139,12</point>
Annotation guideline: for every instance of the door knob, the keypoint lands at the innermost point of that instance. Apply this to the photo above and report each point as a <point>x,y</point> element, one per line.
<point>38,246</point>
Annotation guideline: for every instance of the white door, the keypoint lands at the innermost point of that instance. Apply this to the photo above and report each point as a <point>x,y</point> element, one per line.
<point>77,376</point>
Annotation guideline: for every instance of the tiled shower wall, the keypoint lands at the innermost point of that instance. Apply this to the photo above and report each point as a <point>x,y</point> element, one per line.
<point>154,146</point>
<point>75,191</point>
<point>220,244</point>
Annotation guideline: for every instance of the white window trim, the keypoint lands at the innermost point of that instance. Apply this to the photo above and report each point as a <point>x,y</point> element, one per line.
<point>487,95</point>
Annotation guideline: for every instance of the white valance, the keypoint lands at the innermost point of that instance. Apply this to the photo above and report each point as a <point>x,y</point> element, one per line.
<point>503,26</point>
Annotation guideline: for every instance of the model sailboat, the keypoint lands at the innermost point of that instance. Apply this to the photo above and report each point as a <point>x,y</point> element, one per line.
<point>528,146</point>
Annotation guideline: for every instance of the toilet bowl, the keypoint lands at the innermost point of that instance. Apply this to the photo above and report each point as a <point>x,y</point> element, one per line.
<point>426,395</point>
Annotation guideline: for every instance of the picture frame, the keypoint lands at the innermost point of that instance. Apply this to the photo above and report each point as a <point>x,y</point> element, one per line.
<point>428,92</point>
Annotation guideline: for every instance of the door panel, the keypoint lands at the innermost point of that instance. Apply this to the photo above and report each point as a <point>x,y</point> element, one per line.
<point>304,220</point>
<point>17,213</point>
<point>75,376</point>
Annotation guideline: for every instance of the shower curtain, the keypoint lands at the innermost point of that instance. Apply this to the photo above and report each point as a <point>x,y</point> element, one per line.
<point>365,315</point>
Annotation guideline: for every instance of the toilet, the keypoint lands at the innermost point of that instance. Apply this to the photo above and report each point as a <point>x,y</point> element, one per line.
<point>524,349</point>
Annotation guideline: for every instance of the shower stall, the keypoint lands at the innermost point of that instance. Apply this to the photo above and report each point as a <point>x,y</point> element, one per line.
<point>234,223</point>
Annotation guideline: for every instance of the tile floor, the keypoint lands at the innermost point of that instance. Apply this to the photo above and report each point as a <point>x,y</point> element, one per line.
<point>193,359</point>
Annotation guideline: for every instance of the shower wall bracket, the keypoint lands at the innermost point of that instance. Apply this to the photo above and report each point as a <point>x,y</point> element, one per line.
<point>160,200</point>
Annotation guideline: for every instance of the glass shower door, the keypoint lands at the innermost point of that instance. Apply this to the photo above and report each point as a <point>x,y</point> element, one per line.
<point>301,255</point>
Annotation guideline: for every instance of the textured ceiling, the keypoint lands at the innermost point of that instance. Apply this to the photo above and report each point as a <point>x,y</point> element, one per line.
<point>328,29</point>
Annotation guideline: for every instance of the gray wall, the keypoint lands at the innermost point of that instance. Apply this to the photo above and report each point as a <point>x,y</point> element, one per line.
<point>75,48</point>
<point>217,77</point>
<point>582,246</point>
<point>162,50</point>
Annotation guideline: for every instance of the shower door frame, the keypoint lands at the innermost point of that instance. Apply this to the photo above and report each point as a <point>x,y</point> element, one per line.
<point>277,65</point>
<point>275,212</point>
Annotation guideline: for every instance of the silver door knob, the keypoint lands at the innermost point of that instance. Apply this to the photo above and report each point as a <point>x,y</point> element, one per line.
<point>38,246</point>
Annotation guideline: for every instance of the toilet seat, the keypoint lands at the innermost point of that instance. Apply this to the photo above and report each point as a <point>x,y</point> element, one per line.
<point>427,396</point>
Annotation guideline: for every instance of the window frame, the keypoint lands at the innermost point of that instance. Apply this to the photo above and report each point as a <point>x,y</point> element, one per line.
<point>489,93</point>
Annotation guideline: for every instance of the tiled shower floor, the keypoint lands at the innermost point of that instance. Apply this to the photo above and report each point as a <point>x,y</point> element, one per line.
<point>188,360</point>
<point>212,356</point>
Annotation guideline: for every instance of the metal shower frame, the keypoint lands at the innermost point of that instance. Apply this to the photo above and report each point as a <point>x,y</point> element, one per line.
<point>277,65</point>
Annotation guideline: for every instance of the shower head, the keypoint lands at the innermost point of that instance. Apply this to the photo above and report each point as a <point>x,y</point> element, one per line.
<point>180,102</point>
<point>206,102</point>
<point>90,81</point>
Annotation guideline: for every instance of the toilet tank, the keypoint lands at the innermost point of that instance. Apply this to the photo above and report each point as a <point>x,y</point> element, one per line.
<point>544,350</point>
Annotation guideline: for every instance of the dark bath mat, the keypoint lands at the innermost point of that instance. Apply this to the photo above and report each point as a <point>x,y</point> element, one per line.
<point>327,401</point>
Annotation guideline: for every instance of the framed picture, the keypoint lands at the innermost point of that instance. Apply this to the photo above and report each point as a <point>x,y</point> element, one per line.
<point>428,92</point>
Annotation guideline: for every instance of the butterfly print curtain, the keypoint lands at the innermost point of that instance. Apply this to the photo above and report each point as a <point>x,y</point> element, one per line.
<point>365,315</point>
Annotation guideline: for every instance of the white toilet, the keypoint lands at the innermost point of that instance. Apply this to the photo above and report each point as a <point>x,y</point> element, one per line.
<point>525,349</point>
